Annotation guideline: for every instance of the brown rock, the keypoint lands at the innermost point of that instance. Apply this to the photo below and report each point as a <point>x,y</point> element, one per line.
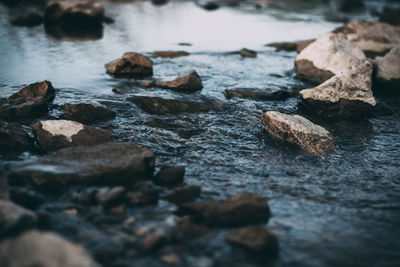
<point>187,83</point>
<point>244,52</point>
<point>14,138</point>
<point>183,194</point>
<point>14,218</point>
<point>87,113</point>
<point>130,65</point>
<point>145,196</point>
<point>110,196</point>
<point>170,54</point>
<point>256,94</point>
<point>169,175</point>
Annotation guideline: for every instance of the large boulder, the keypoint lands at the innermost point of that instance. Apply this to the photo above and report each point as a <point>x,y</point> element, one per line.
<point>108,163</point>
<point>240,209</point>
<point>186,83</point>
<point>388,68</point>
<point>299,131</point>
<point>56,134</point>
<point>130,65</point>
<point>87,112</point>
<point>346,95</point>
<point>30,101</point>
<point>14,138</point>
<point>376,37</point>
<point>328,56</point>
<point>14,218</point>
<point>43,250</point>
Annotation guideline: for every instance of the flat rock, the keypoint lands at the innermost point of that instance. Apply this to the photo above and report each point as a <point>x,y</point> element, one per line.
<point>329,55</point>
<point>170,175</point>
<point>291,46</point>
<point>244,52</point>
<point>186,83</point>
<point>183,194</point>
<point>43,250</point>
<point>388,68</point>
<point>346,95</point>
<point>375,37</point>
<point>56,134</point>
<point>240,209</point>
<point>111,163</point>
<point>297,130</point>
<point>257,239</point>
<point>14,218</point>
<point>130,65</point>
<point>32,100</point>
<point>256,94</point>
<point>145,196</point>
<point>14,138</point>
<point>170,54</point>
<point>87,113</point>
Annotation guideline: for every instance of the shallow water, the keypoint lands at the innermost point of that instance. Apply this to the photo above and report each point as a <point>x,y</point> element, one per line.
<point>339,210</point>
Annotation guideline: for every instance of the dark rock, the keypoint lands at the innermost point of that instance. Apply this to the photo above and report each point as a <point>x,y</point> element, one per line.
<point>187,83</point>
<point>14,219</point>
<point>159,2</point>
<point>104,248</point>
<point>169,175</point>
<point>390,15</point>
<point>30,18</point>
<point>145,83</point>
<point>64,33</point>
<point>3,185</point>
<point>13,138</point>
<point>291,46</point>
<point>257,94</point>
<point>185,44</point>
<point>347,5</point>
<point>110,163</point>
<point>170,54</point>
<point>87,196</point>
<point>30,101</point>
<point>186,229</point>
<point>257,239</point>
<point>298,130</point>
<point>155,240</point>
<point>130,65</point>
<point>208,4</point>
<point>183,194</point>
<point>56,134</point>
<point>145,196</point>
<point>240,209</point>
<point>111,196</point>
<point>43,250</point>
<point>244,52</point>
<point>388,69</point>
<point>87,113</point>
<point>26,198</point>
<point>381,109</point>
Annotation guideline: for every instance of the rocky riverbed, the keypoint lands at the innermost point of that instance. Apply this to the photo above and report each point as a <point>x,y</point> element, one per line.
<point>207,133</point>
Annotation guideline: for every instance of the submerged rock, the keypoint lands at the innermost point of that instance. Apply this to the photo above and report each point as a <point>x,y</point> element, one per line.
<point>110,163</point>
<point>30,101</point>
<point>291,46</point>
<point>329,55</point>
<point>257,239</point>
<point>14,218</point>
<point>240,209</point>
<point>298,130</point>
<point>56,134</point>
<point>170,175</point>
<point>388,68</point>
<point>257,94</point>
<point>186,83</point>
<point>244,52</point>
<point>111,196</point>
<point>208,4</point>
<point>346,95</point>
<point>14,138</point>
<point>145,196</point>
<point>347,5</point>
<point>43,250</point>
<point>183,194</point>
<point>130,65</point>
<point>87,113</point>
<point>170,54</point>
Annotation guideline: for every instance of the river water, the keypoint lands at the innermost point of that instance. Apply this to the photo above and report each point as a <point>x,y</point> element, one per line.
<point>342,209</point>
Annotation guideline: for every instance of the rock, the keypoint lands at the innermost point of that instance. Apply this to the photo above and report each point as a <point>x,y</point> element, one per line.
<point>170,54</point>
<point>390,15</point>
<point>185,44</point>
<point>111,163</point>
<point>87,196</point>
<point>255,94</point>
<point>347,5</point>
<point>155,240</point>
<point>87,113</point>
<point>110,196</point>
<point>208,4</point>
<point>186,229</point>
<point>244,52</point>
<point>240,209</point>
<point>26,198</point>
<point>14,219</point>
<point>159,2</point>
<point>374,37</point>
<point>291,46</point>
<point>170,259</point>
<point>29,17</point>
<point>187,83</point>
<point>183,194</point>
<point>67,33</point>
<point>303,44</point>
<point>298,130</point>
<point>329,55</point>
<point>13,138</point>
<point>74,13</point>
<point>57,134</point>
<point>145,196</point>
<point>388,68</point>
<point>43,250</point>
<point>169,175</point>
<point>3,185</point>
<point>30,101</point>
<point>144,83</point>
<point>257,239</point>
<point>346,95</point>
<point>130,65</point>
<point>161,106</point>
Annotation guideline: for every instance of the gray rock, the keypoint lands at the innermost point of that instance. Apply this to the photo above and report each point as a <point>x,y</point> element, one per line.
<point>346,95</point>
<point>14,138</point>
<point>256,94</point>
<point>145,196</point>
<point>87,113</point>
<point>183,194</point>
<point>3,185</point>
<point>130,65</point>
<point>170,175</point>
<point>114,162</point>
<point>56,134</point>
<point>257,239</point>
<point>187,83</point>
<point>43,250</point>
<point>298,130</point>
<point>388,68</point>
<point>240,209</point>
<point>14,218</point>
<point>329,55</point>
<point>111,196</point>
<point>170,54</point>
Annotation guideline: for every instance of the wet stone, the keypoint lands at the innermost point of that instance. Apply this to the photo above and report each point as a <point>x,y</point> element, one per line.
<point>26,198</point>
<point>208,4</point>
<point>130,65</point>
<point>297,130</point>
<point>170,175</point>
<point>87,113</point>
<point>256,94</point>
<point>244,52</point>
<point>14,218</point>
<point>187,83</point>
<point>145,196</point>
<point>186,229</point>
<point>14,138</point>
<point>3,185</point>
<point>240,209</point>
<point>108,163</point>
<point>170,54</point>
<point>45,250</point>
<point>291,46</point>
<point>111,196</point>
<point>56,134</point>
<point>390,15</point>
<point>183,194</point>
<point>28,17</point>
<point>155,240</point>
